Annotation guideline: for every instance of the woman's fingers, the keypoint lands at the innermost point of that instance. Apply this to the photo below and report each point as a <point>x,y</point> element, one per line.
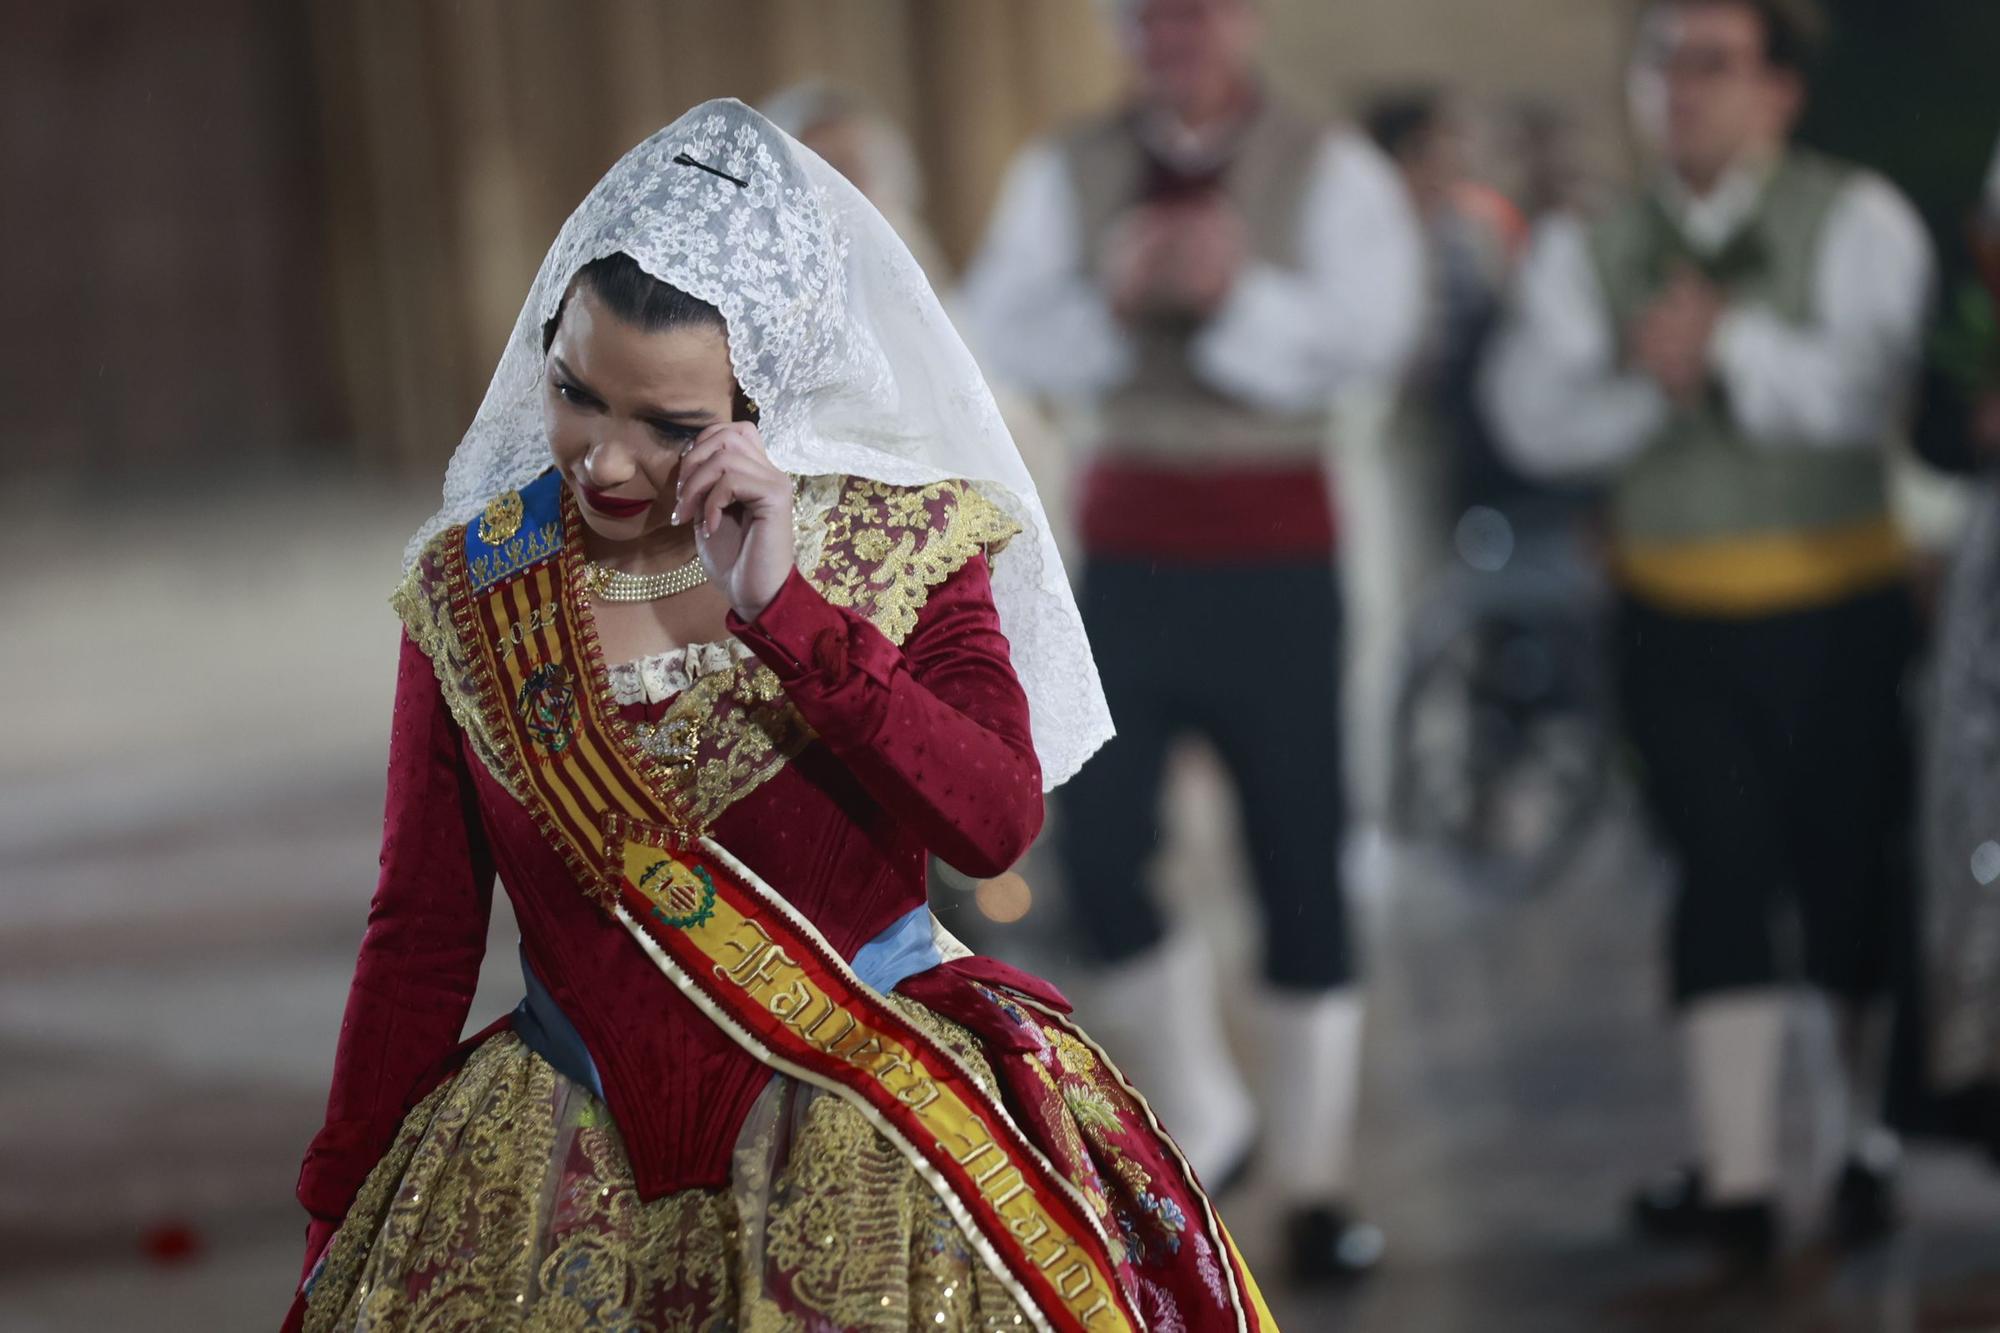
<point>730,487</point>
<point>707,447</point>
<point>753,484</point>
<point>710,452</point>
<point>729,435</point>
<point>695,483</point>
<point>730,474</point>
<point>727,469</point>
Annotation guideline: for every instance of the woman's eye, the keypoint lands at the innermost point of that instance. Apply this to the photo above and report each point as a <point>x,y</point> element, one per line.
<point>674,434</point>
<point>569,393</point>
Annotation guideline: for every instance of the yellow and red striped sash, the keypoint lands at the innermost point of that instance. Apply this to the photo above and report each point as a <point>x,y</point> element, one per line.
<point>732,944</point>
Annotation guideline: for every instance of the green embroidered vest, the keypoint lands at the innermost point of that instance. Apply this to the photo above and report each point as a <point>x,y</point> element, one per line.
<point>1702,478</point>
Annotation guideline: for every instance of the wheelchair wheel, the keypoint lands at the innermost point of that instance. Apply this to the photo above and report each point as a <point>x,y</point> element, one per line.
<point>1503,757</point>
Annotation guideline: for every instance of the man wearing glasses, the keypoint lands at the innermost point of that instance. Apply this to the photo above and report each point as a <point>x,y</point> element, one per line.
<point>1729,349</point>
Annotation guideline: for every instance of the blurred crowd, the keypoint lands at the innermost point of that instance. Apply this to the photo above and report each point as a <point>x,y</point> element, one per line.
<point>1653,451</point>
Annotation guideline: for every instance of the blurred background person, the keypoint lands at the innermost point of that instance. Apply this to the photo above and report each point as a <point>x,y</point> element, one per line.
<point>1551,168</point>
<point>863,143</point>
<point>1473,234</point>
<point>1730,347</point>
<point>1208,268</point>
<point>860,141</point>
<point>260,258</point>
<point>1409,464</point>
<point>1959,430</point>
<point>1472,231</point>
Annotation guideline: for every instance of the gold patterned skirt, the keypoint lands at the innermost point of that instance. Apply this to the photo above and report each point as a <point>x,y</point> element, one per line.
<point>507,1202</point>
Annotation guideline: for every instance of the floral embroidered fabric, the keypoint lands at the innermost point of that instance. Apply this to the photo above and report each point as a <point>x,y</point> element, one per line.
<point>507,1201</point>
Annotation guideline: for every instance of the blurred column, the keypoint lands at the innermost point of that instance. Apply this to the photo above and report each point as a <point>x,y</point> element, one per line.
<point>458,137</point>
<point>395,289</point>
<point>159,236</point>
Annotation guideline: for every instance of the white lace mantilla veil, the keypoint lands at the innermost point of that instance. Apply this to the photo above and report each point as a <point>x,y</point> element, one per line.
<point>836,334</point>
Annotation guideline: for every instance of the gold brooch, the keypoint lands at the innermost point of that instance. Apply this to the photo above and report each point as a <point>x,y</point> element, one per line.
<point>675,743</point>
<point>502,518</point>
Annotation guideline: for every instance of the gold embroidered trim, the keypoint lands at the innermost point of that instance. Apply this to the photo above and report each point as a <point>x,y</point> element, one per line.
<point>881,549</point>
<point>508,1201</point>
<point>873,548</point>
<point>423,602</point>
<point>348,1252</point>
<point>888,546</point>
<point>513,555</point>
<point>742,727</point>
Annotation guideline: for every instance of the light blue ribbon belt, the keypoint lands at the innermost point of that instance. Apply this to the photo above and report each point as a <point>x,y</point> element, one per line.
<point>905,948</point>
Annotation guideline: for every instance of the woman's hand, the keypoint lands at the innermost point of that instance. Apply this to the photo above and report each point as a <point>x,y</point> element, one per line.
<point>741,506</point>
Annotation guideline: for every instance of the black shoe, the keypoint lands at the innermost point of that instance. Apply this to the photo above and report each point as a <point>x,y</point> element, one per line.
<point>1864,1205</point>
<point>1676,1210</point>
<point>1329,1248</point>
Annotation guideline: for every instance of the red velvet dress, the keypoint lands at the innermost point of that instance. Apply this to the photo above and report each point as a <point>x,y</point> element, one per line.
<point>463,1179</point>
<point>920,747</point>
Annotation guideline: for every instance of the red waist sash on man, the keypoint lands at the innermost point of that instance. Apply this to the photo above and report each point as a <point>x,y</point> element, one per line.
<point>1143,509</point>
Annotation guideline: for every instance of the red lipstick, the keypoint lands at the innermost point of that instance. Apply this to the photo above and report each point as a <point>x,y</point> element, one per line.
<point>613,506</point>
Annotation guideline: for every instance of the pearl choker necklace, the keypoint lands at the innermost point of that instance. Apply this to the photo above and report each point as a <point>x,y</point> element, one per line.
<point>605,584</point>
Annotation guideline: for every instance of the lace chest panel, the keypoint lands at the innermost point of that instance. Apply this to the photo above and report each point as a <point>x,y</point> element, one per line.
<point>660,676</point>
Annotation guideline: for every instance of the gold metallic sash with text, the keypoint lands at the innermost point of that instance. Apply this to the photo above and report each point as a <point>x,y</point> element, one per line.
<point>765,976</point>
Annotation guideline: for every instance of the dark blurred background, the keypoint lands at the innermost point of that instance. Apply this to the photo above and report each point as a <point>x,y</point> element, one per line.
<point>238,232</point>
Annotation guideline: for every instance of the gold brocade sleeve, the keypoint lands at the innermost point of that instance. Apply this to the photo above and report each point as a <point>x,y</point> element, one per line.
<point>423,602</point>
<point>888,546</point>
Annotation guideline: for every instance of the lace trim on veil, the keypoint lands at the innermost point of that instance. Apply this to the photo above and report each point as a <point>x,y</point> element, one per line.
<point>835,332</point>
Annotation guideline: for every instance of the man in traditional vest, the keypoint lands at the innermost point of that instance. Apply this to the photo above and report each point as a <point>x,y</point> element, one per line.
<point>1729,348</point>
<point>1207,270</point>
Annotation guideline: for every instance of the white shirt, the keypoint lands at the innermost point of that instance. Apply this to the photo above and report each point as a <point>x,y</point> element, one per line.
<point>1562,404</point>
<point>1284,339</point>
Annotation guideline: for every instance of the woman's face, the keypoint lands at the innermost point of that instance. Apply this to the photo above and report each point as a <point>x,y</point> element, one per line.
<point>622,405</point>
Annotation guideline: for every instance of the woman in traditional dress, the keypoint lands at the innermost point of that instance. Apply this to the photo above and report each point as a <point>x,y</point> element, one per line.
<point>739,603</point>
